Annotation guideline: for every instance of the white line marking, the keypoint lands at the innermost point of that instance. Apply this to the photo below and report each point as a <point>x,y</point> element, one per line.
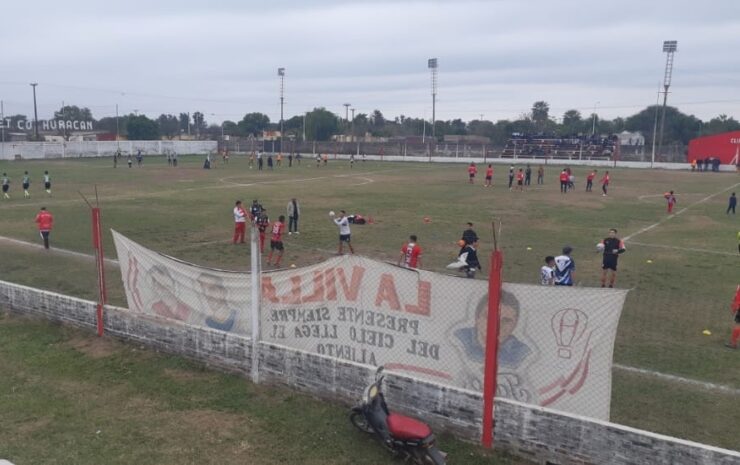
<point>687,249</point>
<point>677,379</point>
<point>109,261</point>
<point>679,212</point>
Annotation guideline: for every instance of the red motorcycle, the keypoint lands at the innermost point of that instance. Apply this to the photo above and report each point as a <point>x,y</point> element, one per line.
<point>403,436</point>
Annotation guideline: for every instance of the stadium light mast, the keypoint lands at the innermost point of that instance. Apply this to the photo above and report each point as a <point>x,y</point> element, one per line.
<point>432,65</point>
<point>35,112</point>
<point>281,74</point>
<point>669,48</point>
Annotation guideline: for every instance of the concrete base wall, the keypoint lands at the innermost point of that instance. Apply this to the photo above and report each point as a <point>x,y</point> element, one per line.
<point>80,149</point>
<point>539,434</point>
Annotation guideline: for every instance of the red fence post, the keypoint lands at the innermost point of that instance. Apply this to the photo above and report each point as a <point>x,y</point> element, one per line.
<point>491,361</point>
<point>100,264</point>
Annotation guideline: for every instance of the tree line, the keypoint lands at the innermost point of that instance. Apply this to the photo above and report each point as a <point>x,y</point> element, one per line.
<point>321,124</point>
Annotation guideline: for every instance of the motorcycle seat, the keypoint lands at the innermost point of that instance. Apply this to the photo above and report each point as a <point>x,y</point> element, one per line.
<point>407,428</point>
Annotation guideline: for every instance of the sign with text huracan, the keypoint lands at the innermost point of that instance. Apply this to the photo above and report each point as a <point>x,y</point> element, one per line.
<point>46,125</point>
<point>555,344</point>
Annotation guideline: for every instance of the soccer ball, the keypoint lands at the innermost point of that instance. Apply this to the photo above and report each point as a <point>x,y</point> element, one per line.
<point>600,247</point>
<point>331,213</point>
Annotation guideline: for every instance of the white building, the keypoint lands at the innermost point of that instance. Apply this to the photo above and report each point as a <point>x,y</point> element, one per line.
<point>631,138</point>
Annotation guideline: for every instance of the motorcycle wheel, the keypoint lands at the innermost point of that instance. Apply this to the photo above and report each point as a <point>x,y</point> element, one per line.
<point>430,456</point>
<point>360,422</point>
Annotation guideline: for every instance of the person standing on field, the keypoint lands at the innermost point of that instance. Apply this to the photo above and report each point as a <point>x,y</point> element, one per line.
<point>26,184</point>
<point>735,308</point>
<point>613,248</point>
<point>294,211</point>
<point>540,175</point>
<point>590,181</point>
<point>6,186</point>
<point>240,222</point>
<point>528,175</point>
<point>564,178</point>
<point>276,240</point>
<point>345,235</point>
<point>605,184</point>
<point>511,176</point>
<point>671,200</point>
<point>263,222</point>
<point>47,183</point>
<point>489,176</point>
<point>45,221</point>
<point>565,268</point>
<point>732,203</point>
<point>471,173</point>
<point>410,254</point>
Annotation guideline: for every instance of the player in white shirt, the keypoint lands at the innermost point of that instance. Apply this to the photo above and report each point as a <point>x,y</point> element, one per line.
<point>240,223</point>
<point>344,232</point>
<point>547,272</point>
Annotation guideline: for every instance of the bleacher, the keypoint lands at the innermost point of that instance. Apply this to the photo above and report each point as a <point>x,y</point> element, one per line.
<point>557,147</point>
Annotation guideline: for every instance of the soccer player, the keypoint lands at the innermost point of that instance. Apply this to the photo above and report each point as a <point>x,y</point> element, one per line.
<point>326,159</point>
<point>26,184</point>
<point>139,157</point>
<point>351,161</point>
<point>528,175</point>
<point>489,176</point>
<point>540,175</point>
<point>345,235</point>
<point>318,160</point>
<point>240,222</point>
<point>410,254</point>
<point>613,248</point>
<point>269,162</point>
<point>564,181</point>
<point>263,222</point>
<point>276,240</point>
<point>590,181</point>
<point>116,156</point>
<point>290,160</point>
<point>520,180</point>
<point>471,173</point>
<point>511,176</point>
<point>260,161</point>
<point>565,268</point>
<point>671,201</point>
<point>735,308</point>
<point>47,183</point>
<point>174,159</point>
<point>130,161</point>
<point>6,186</point>
<point>251,161</point>
<point>731,204</point>
<point>294,211</point>
<point>45,221</point>
<point>605,184</point>
<point>280,159</point>
<point>468,236</point>
<point>471,259</point>
<point>547,272</point>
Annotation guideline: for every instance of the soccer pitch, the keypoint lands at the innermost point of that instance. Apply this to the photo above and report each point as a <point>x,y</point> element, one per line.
<point>682,269</point>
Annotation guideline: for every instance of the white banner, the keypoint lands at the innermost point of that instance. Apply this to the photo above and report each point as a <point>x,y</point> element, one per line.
<point>555,346</point>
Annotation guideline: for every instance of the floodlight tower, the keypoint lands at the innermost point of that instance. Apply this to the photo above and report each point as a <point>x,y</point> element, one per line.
<point>432,65</point>
<point>35,112</point>
<point>281,74</point>
<point>669,47</point>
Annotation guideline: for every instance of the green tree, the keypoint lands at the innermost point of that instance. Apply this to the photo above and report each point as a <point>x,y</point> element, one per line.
<point>72,113</point>
<point>169,125</point>
<point>321,124</point>
<point>540,114</point>
<point>253,124</point>
<point>572,122</point>
<point>199,122</point>
<point>720,124</point>
<point>679,127</point>
<point>230,128</point>
<point>184,122</point>
<point>140,127</point>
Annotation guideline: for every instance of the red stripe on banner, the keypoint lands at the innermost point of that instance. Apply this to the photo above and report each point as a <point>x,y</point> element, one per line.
<point>426,371</point>
<point>491,362</point>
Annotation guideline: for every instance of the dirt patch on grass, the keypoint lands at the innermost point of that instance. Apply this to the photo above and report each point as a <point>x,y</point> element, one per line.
<point>94,347</point>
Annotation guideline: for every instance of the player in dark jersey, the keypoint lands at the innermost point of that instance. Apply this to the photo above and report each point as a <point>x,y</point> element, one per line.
<point>263,222</point>
<point>276,240</point>
<point>613,247</point>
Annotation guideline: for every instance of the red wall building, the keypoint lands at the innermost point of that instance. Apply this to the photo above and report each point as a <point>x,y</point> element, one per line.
<point>724,146</point>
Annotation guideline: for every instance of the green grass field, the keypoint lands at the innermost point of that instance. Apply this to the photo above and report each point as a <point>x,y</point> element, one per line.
<point>186,212</point>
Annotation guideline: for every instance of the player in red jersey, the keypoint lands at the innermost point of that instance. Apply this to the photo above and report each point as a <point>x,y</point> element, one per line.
<point>736,311</point>
<point>671,201</point>
<point>564,181</point>
<point>489,176</point>
<point>276,240</point>
<point>520,180</point>
<point>605,184</point>
<point>472,170</point>
<point>410,254</point>
<point>590,180</point>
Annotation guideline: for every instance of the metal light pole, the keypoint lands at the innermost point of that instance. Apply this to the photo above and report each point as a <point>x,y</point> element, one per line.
<point>118,134</point>
<point>593,117</point>
<point>669,47</point>
<point>35,112</point>
<point>281,73</point>
<point>432,65</point>
<point>352,126</point>
<point>655,127</point>
<point>2,121</point>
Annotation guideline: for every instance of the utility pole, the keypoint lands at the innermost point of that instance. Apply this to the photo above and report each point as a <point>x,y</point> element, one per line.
<point>35,112</point>
<point>2,120</point>
<point>281,73</point>
<point>118,134</point>
<point>669,47</point>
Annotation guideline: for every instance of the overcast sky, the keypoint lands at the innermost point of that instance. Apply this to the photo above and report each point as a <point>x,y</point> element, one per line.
<point>495,57</point>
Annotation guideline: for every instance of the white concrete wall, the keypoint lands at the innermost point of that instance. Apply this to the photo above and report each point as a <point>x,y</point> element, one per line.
<point>78,149</point>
